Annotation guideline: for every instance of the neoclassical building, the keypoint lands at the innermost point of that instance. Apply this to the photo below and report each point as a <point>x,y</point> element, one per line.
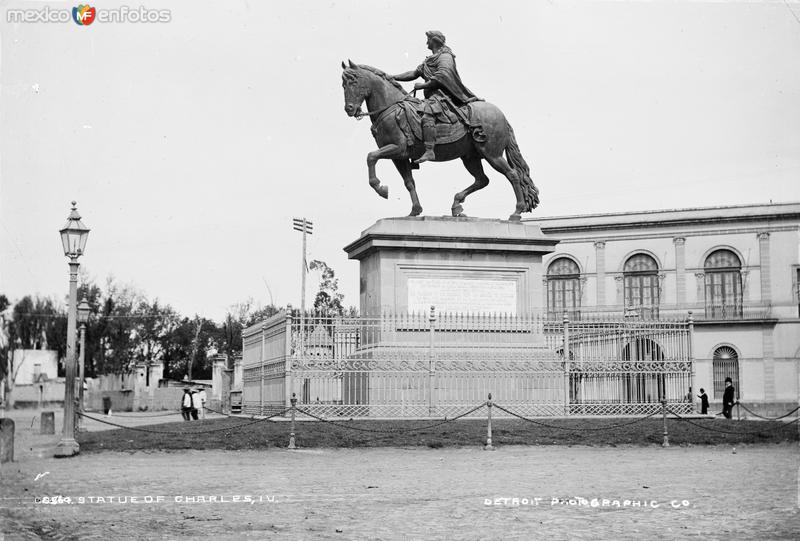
<point>736,268</point>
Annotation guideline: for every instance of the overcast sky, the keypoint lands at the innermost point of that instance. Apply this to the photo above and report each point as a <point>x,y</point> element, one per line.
<point>190,145</point>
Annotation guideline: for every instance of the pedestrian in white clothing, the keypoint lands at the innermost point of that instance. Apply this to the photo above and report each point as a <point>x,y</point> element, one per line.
<point>202,396</point>
<point>186,405</point>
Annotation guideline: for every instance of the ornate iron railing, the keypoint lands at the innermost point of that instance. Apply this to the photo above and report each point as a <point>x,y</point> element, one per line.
<point>436,365</point>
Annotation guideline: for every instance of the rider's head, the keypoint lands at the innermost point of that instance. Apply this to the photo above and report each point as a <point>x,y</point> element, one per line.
<point>435,39</point>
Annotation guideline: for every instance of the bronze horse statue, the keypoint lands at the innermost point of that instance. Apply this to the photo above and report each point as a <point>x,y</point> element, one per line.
<point>384,95</point>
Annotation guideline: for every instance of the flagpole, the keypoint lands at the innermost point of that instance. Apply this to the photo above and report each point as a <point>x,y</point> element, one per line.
<point>304,270</point>
<point>305,227</point>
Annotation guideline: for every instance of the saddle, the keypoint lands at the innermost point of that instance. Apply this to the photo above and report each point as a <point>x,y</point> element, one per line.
<point>452,123</point>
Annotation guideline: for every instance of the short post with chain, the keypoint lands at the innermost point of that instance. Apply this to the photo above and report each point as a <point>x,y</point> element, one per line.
<point>291,433</point>
<point>665,443</point>
<point>488,446</point>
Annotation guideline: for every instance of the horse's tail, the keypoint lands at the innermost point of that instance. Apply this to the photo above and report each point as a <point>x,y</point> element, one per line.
<point>530,193</point>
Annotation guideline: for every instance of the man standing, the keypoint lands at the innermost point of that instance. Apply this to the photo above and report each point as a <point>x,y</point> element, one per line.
<point>703,401</point>
<point>441,79</point>
<point>728,399</point>
<point>186,404</point>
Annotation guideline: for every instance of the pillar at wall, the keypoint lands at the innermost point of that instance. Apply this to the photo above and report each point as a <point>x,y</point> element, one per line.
<point>680,269</point>
<point>769,363</point>
<point>764,257</point>
<point>600,262</point>
<point>700,280</point>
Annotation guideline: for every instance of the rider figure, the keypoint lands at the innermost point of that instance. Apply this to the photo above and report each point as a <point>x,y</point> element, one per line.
<point>441,77</point>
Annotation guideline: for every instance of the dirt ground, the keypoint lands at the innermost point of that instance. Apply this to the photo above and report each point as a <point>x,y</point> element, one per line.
<point>514,492</point>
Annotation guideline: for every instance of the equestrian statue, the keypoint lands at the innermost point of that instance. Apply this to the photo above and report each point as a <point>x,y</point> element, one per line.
<point>451,122</point>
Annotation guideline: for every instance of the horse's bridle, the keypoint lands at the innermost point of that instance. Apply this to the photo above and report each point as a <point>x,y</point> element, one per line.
<point>360,114</point>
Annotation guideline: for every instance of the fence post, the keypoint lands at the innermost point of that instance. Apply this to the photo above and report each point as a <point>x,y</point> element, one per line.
<point>691,360</point>
<point>432,364</point>
<point>566,363</point>
<point>287,369</point>
<point>291,433</point>
<point>488,446</point>
<point>261,367</point>
<point>665,443</point>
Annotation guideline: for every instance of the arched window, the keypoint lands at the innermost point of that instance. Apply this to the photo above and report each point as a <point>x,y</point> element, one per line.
<point>723,271</point>
<point>563,288</point>
<point>641,285</point>
<point>725,365</point>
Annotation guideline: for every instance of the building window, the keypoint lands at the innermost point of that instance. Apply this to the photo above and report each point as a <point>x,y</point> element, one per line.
<point>563,288</point>
<point>641,285</point>
<point>726,365</point>
<point>723,271</point>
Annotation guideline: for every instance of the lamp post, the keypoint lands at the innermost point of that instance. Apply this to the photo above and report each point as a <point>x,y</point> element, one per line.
<point>73,237</point>
<point>83,318</point>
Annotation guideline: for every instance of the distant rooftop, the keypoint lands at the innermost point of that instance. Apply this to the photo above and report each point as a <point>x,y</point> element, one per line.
<point>657,218</point>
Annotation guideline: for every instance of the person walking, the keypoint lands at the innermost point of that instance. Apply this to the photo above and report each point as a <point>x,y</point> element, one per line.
<point>703,401</point>
<point>186,404</point>
<point>728,399</point>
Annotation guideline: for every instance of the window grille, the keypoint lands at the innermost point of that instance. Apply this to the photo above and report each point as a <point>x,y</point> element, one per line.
<point>725,365</point>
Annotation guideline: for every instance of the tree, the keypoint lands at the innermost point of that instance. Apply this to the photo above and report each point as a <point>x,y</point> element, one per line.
<point>124,328</point>
<point>239,317</point>
<point>39,323</point>
<point>5,351</point>
<point>182,351</point>
<point>34,323</point>
<point>328,299</point>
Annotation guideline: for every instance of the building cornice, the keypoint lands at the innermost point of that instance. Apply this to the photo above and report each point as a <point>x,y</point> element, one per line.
<point>674,218</point>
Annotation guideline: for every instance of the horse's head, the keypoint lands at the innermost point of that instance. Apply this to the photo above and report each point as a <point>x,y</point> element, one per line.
<point>356,88</point>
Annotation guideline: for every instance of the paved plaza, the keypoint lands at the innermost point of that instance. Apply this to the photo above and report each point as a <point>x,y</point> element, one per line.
<point>515,492</point>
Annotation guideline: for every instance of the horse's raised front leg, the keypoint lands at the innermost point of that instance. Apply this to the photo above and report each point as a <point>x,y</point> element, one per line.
<point>404,168</point>
<point>475,168</point>
<point>388,151</point>
<point>502,166</point>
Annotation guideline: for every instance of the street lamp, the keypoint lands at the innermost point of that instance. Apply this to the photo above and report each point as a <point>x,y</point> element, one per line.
<point>83,318</point>
<point>73,237</point>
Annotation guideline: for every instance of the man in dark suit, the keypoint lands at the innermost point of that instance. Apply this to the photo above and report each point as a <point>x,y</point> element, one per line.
<point>728,399</point>
<point>703,401</point>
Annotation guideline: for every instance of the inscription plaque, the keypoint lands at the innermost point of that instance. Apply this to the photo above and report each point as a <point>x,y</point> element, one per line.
<point>462,296</point>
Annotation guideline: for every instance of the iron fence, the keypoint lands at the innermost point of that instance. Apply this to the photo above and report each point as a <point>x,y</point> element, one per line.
<point>438,365</point>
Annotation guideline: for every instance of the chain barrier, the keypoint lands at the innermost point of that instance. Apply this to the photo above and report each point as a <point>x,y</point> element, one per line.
<point>393,431</point>
<point>518,416</point>
<point>234,416</point>
<point>185,432</point>
<point>738,432</point>
<point>146,416</point>
<point>748,410</point>
<point>384,433</point>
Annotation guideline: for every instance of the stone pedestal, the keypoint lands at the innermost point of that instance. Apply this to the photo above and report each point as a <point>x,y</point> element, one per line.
<point>462,265</point>
<point>220,364</point>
